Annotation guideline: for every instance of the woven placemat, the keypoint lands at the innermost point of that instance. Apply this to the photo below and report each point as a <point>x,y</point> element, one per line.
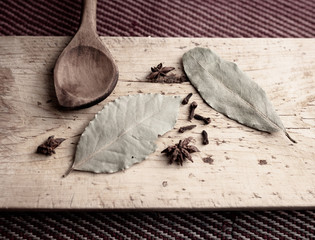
<point>164,18</point>
<point>159,225</point>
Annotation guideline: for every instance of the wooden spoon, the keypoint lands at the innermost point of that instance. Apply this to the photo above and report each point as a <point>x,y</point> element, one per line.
<point>85,72</point>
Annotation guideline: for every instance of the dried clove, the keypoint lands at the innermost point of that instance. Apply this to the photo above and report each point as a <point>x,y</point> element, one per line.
<point>186,128</point>
<point>193,106</point>
<point>262,162</point>
<point>205,120</point>
<point>208,159</point>
<point>48,147</point>
<point>186,99</point>
<point>178,153</point>
<point>205,139</point>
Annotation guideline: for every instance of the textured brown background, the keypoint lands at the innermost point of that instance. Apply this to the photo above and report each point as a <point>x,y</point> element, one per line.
<point>209,18</point>
<point>164,18</point>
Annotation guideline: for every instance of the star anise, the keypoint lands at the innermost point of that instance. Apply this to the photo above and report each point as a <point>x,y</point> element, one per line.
<point>180,151</point>
<point>159,71</point>
<point>48,147</point>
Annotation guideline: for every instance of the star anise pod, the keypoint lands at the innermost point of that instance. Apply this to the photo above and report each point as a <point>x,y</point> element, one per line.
<point>159,71</point>
<point>181,151</point>
<point>48,147</point>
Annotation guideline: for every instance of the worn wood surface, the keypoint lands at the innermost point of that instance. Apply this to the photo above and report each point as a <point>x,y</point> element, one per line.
<point>29,113</point>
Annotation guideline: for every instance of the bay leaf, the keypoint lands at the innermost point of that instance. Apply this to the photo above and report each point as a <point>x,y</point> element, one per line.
<point>230,91</point>
<point>124,132</point>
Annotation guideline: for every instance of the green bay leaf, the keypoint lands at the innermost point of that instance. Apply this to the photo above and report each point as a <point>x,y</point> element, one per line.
<point>230,91</point>
<point>124,132</point>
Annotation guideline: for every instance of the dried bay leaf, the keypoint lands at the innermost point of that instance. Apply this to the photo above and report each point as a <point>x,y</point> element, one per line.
<point>124,132</point>
<point>230,91</point>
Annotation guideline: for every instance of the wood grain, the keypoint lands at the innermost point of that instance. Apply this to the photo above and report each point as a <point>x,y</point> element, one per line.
<point>85,72</point>
<point>237,178</point>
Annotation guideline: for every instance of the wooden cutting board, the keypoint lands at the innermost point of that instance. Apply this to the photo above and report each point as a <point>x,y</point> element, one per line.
<point>237,178</point>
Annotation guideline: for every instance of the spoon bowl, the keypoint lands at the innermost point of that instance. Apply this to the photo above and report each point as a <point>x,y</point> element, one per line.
<point>85,72</point>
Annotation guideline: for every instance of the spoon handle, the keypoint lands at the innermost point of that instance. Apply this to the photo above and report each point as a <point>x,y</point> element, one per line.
<point>88,19</point>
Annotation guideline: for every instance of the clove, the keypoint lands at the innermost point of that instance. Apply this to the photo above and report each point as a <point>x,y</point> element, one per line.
<point>186,128</point>
<point>205,120</point>
<point>205,139</point>
<point>193,106</point>
<point>186,99</point>
<point>208,159</point>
